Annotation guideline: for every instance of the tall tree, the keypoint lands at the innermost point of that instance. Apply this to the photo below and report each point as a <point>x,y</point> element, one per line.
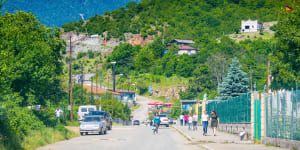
<point>217,64</point>
<point>144,59</point>
<point>30,59</point>
<point>185,66</point>
<point>235,83</point>
<point>286,53</point>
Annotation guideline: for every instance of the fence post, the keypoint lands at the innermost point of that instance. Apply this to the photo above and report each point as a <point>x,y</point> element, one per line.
<point>252,115</point>
<point>263,117</point>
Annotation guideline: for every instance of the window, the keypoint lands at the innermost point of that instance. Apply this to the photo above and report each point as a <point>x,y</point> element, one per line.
<point>83,109</point>
<point>247,27</point>
<point>91,109</point>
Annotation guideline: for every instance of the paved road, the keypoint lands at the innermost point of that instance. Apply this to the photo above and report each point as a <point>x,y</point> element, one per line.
<point>127,138</point>
<point>141,112</point>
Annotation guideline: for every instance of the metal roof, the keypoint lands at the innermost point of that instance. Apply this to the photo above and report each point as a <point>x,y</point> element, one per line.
<point>184,41</point>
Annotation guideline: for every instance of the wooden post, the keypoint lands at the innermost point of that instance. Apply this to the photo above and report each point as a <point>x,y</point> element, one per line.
<point>96,86</point>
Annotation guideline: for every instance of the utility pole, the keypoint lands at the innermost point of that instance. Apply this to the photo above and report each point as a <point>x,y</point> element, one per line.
<point>251,78</point>
<point>114,76</point>
<point>100,79</point>
<point>70,79</point>
<point>268,77</point>
<point>82,84</point>
<point>96,85</point>
<point>91,89</point>
<point>106,93</point>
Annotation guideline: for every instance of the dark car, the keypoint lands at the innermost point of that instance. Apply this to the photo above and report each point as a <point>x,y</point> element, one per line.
<point>136,122</point>
<point>105,115</point>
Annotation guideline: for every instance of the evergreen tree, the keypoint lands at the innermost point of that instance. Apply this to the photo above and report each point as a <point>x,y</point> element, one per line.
<point>235,83</point>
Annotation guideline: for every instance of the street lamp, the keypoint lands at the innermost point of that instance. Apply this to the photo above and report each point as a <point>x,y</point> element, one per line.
<point>114,75</point>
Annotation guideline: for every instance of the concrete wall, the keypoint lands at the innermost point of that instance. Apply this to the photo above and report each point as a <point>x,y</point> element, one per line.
<point>281,142</point>
<point>189,52</point>
<point>236,129</point>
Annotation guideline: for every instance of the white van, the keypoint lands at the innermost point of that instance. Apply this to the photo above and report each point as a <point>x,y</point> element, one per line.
<point>84,110</point>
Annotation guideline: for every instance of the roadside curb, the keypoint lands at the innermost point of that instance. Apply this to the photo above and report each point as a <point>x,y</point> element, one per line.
<point>182,133</point>
<point>189,138</point>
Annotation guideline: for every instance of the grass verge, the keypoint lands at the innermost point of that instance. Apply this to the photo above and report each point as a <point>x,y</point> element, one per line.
<point>37,138</point>
<point>137,106</point>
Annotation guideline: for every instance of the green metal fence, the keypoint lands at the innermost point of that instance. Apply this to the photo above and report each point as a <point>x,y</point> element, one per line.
<point>235,110</point>
<point>283,115</point>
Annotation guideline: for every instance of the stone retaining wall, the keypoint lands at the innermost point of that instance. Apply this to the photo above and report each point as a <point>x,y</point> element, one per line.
<point>236,129</point>
<point>281,142</point>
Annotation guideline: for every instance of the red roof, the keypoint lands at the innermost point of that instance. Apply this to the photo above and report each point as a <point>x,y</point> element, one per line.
<point>184,47</point>
<point>122,91</point>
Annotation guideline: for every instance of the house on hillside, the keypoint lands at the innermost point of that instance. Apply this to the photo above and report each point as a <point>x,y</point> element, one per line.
<point>101,92</point>
<point>183,46</point>
<point>129,97</point>
<point>250,26</point>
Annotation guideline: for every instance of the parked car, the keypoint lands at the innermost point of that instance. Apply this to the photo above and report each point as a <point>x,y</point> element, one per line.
<point>105,115</point>
<point>84,110</point>
<point>93,124</point>
<point>164,120</point>
<point>136,122</point>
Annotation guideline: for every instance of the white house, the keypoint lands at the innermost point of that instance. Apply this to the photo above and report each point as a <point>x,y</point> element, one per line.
<point>183,49</point>
<point>251,26</point>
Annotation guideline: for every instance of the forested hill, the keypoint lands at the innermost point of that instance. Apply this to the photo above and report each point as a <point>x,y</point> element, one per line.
<point>187,19</point>
<point>58,12</point>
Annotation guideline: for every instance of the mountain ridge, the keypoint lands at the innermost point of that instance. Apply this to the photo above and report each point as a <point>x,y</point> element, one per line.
<point>55,13</point>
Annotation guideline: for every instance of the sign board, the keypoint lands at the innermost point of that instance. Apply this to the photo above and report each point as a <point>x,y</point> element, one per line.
<point>150,88</point>
<point>205,97</point>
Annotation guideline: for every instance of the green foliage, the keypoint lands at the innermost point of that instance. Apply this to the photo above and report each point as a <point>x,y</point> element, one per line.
<point>169,63</point>
<point>285,54</point>
<point>124,56</point>
<point>235,83</point>
<point>80,55</point>
<point>91,54</point>
<point>182,19</point>
<point>185,66</point>
<point>141,86</point>
<point>144,59</point>
<point>175,111</point>
<point>34,51</point>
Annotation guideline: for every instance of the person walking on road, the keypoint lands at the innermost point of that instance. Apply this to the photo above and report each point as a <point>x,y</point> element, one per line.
<point>181,119</point>
<point>185,119</point>
<point>156,123</point>
<point>214,119</point>
<point>205,119</point>
<point>190,120</point>
<point>195,120</point>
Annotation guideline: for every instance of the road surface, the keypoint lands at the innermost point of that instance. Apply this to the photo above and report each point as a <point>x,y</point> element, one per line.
<point>128,137</point>
<point>141,112</point>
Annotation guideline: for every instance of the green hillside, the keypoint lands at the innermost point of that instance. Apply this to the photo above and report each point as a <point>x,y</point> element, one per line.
<point>207,22</point>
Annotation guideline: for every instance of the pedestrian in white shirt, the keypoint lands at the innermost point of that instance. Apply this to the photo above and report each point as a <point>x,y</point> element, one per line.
<point>58,112</point>
<point>205,119</point>
<point>190,121</point>
<point>195,120</point>
<point>181,119</point>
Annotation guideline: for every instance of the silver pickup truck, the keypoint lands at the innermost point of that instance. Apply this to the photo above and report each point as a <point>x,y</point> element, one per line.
<point>93,124</point>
